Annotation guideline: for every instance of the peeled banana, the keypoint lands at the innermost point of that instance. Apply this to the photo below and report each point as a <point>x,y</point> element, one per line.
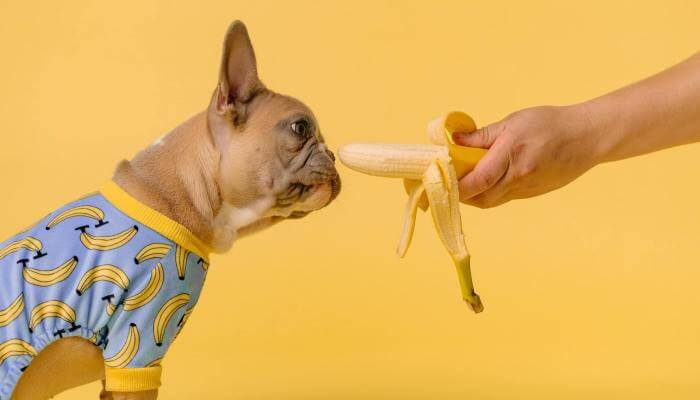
<point>430,174</point>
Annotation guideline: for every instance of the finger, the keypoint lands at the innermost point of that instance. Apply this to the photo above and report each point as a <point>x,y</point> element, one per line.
<point>495,196</point>
<point>486,174</point>
<point>483,137</point>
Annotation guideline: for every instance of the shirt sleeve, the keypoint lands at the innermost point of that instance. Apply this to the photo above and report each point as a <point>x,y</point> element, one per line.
<point>131,362</point>
<point>144,324</point>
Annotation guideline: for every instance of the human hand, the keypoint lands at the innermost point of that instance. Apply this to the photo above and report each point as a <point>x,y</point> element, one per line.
<point>531,152</point>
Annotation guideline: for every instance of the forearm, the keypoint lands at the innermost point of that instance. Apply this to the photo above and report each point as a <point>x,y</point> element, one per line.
<point>659,112</point>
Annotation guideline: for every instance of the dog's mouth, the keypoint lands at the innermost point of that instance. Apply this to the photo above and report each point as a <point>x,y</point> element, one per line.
<point>300,193</point>
<point>310,197</point>
<point>334,186</point>
<point>298,214</point>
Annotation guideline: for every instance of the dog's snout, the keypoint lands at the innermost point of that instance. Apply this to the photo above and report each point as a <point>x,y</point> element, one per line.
<point>320,169</point>
<point>323,162</point>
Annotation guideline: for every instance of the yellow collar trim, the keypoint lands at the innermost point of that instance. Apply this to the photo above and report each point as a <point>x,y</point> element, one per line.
<point>154,220</point>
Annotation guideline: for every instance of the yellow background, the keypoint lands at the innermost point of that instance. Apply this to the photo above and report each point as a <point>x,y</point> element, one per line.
<point>590,291</point>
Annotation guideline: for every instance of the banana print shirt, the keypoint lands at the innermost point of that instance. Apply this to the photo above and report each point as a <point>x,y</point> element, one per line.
<point>108,269</point>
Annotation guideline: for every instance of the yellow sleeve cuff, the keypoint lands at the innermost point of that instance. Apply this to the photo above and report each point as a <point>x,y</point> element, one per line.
<point>132,379</point>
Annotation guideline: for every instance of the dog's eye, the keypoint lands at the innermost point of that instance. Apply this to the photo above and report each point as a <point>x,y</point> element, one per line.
<point>300,127</point>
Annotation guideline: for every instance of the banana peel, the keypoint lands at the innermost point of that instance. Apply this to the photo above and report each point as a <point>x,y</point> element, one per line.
<point>440,132</point>
<point>430,174</point>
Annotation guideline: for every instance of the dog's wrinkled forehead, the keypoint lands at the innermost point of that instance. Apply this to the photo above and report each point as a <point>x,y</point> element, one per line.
<point>281,112</point>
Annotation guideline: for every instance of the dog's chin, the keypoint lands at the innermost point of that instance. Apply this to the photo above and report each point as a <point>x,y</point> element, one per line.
<point>327,192</point>
<point>319,196</point>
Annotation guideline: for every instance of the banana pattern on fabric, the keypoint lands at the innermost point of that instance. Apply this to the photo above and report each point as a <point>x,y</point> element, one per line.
<point>105,268</point>
<point>430,173</point>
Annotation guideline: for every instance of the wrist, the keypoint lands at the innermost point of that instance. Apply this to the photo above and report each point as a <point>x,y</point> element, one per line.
<point>595,130</point>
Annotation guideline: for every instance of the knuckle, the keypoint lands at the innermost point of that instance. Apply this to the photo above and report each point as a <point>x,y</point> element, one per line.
<point>527,170</point>
<point>517,149</point>
<point>518,116</point>
<point>527,116</point>
<point>485,181</point>
<point>485,134</point>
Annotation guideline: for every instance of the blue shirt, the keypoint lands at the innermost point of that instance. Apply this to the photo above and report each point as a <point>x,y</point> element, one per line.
<point>108,269</point>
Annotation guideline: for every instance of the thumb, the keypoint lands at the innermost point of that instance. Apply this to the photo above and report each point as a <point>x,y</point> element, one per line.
<point>486,174</point>
<point>482,137</point>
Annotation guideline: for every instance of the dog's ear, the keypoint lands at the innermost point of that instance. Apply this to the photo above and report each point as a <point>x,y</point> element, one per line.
<point>238,75</point>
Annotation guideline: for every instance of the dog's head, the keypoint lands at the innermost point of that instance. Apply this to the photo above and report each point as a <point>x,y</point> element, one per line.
<point>271,146</point>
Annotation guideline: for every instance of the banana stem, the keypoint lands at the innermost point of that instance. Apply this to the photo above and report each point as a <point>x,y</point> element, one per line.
<point>464,273</point>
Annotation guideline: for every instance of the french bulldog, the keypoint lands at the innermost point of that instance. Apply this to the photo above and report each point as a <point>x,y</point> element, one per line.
<point>253,158</point>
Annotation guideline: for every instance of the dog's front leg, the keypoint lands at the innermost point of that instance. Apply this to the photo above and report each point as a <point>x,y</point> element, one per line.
<point>143,395</point>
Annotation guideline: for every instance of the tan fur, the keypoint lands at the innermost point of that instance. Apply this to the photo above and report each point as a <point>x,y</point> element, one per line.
<point>224,173</point>
<point>60,366</point>
<point>186,190</point>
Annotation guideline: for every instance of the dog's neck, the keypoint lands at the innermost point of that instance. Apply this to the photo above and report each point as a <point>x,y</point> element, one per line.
<point>177,176</point>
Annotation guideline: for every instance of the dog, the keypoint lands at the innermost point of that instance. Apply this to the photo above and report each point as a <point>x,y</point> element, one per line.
<point>99,288</point>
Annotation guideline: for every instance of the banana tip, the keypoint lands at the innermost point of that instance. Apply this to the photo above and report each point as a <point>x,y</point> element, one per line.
<point>400,252</point>
<point>475,303</point>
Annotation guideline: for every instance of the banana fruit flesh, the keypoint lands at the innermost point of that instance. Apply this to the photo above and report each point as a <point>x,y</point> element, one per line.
<point>430,173</point>
<point>392,160</point>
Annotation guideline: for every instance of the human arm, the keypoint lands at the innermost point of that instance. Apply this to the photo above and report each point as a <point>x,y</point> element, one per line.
<point>536,150</point>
